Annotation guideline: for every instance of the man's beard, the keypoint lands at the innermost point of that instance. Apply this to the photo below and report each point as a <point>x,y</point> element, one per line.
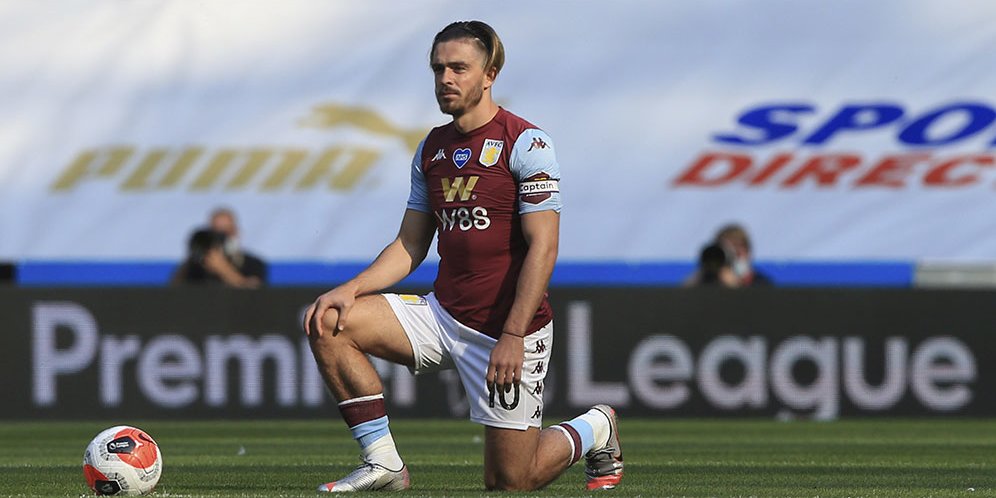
<point>458,107</point>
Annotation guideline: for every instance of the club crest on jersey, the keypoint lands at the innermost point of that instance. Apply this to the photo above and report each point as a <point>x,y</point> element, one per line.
<point>491,152</point>
<point>460,157</point>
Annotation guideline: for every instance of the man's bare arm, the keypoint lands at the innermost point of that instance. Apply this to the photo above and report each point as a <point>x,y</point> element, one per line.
<point>401,257</point>
<point>394,263</point>
<point>542,232</point>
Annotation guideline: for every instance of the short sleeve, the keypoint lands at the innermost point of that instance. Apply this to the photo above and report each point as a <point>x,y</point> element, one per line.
<point>418,197</point>
<point>533,163</point>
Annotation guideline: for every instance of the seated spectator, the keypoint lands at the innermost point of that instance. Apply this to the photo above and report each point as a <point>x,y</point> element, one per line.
<point>215,255</point>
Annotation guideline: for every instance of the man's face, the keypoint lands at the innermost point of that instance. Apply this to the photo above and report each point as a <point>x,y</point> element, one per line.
<point>223,223</point>
<point>458,66</point>
<point>738,245</point>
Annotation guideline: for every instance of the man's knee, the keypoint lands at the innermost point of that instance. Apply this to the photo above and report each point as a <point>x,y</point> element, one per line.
<point>330,322</point>
<point>331,340</point>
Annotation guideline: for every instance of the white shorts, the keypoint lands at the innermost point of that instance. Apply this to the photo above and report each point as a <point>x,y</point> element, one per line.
<point>439,342</point>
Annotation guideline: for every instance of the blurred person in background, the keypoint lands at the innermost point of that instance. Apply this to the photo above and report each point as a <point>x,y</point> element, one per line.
<point>727,262</point>
<point>734,238</point>
<point>714,268</point>
<point>8,272</point>
<point>215,255</point>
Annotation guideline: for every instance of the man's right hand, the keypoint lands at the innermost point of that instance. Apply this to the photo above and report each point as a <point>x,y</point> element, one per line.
<point>340,299</point>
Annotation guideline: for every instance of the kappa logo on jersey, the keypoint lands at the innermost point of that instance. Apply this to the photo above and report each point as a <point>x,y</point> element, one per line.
<point>441,154</point>
<point>538,143</point>
<point>461,185</point>
<point>460,157</point>
<point>491,152</point>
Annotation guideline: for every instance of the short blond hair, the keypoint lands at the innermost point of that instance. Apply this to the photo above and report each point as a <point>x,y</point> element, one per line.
<point>485,36</point>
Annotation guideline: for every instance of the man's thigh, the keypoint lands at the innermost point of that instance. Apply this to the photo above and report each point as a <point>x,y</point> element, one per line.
<point>521,407</point>
<point>375,329</point>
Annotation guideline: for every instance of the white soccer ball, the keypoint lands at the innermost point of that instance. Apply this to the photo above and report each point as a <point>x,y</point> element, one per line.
<point>122,460</point>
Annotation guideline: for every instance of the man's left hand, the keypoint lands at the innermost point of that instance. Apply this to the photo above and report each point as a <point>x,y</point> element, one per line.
<point>505,366</point>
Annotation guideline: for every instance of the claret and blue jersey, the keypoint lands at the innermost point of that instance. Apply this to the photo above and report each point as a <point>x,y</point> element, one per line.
<point>477,186</point>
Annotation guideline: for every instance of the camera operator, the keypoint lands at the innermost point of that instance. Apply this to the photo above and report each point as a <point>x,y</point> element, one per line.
<point>215,256</point>
<point>734,238</point>
<point>714,268</point>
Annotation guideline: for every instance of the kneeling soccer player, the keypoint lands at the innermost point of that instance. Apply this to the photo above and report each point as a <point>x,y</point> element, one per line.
<point>488,184</point>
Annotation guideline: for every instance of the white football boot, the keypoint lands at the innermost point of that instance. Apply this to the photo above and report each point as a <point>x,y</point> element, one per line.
<point>370,477</point>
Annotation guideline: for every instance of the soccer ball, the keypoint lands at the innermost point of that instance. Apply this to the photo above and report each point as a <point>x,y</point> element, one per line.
<point>122,460</point>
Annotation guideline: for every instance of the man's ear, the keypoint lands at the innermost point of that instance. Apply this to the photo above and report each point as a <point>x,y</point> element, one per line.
<point>490,75</point>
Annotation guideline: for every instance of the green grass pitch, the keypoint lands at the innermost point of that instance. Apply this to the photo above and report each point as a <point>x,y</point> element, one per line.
<point>664,457</point>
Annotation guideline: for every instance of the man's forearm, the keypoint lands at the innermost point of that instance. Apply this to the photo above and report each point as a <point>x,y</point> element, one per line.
<point>531,287</point>
<point>400,257</point>
<point>393,264</point>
